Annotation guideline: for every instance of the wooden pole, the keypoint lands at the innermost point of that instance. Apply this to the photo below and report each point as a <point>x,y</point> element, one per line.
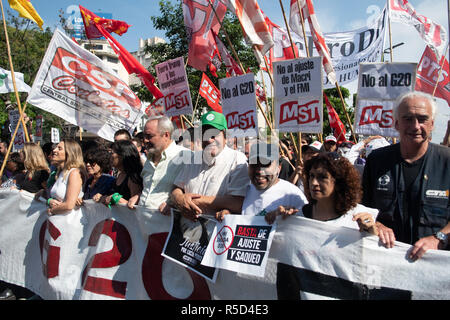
<point>13,75</point>
<point>345,111</point>
<point>299,149</point>
<point>391,53</point>
<point>11,143</point>
<point>440,70</point>
<point>195,107</point>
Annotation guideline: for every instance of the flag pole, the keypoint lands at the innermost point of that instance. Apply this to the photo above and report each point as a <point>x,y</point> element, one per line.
<point>13,75</point>
<point>239,61</point>
<point>299,149</point>
<point>12,140</point>
<point>391,53</point>
<point>440,71</point>
<point>302,20</point>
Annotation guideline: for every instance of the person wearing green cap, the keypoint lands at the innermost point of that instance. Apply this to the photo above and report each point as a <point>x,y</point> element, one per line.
<point>216,177</point>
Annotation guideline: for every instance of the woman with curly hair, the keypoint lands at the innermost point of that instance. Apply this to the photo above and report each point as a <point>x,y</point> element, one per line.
<point>333,189</point>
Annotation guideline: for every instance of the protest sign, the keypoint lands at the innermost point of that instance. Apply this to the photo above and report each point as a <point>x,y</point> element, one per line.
<point>298,95</point>
<point>99,253</point>
<point>19,140</point>
<point>380,84</point>
<point>239,105</point>
<point>173,83</point>
<point>55,135</point>
<point>241,244</point>
<point>80,88</point>
<point>187,243</point>
<point>39,125</point>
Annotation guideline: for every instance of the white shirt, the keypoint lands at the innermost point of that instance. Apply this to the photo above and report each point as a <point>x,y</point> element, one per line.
<point>59,188</point>
<point>283,193</point>
<point>228,175</point>
<point>346,220</point>
<point>158,180</point>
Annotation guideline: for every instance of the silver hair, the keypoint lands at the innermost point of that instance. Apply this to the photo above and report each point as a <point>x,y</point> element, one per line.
<point>411,94</point>
<point>164,124</point>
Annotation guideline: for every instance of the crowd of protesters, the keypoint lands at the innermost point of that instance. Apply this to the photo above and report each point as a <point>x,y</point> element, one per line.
<point>375,186</point>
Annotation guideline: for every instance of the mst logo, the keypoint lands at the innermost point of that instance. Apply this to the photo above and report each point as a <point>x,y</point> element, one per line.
<point>302,113</point>
<point>376,114</point>
<point>241,121</point>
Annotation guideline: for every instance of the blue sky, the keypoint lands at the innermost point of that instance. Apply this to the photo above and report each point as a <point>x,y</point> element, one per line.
<point>333,16</point>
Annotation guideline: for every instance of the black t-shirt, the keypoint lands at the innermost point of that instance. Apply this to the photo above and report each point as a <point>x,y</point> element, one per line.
<point>411,202</point>
<point>286,169</point>
<point>33,184</point>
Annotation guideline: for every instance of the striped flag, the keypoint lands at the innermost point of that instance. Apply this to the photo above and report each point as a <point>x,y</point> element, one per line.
<point>432,33</point>
<point>316,32</point>
<point>254,26</point>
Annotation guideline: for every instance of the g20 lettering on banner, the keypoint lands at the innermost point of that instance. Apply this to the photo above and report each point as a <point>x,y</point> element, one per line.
<point>152,263</point>
<point>393,80</point>
<point>240,89</point>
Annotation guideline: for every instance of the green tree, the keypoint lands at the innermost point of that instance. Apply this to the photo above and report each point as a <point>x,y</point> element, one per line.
<point>28,46</point>
<point>171,21</point>
<point>335,100</point>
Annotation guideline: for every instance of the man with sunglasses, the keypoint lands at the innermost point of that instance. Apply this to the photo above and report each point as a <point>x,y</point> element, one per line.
<point>216,178</point>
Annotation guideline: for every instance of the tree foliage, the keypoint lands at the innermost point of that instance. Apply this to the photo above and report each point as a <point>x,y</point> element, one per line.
<point>28,45</point>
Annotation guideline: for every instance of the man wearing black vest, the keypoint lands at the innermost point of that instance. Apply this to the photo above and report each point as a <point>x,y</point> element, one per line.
<point>409,181</point>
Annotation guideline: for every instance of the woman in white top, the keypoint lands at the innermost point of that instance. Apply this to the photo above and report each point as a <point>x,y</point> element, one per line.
<point>71,175</point>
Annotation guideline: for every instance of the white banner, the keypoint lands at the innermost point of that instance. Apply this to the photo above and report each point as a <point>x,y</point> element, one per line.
<point>7,85</point>
<point>238,96</point>
<point>298,95</point>
<point>347,49</point>
<point>241,244</point>
<point>173,83</point>
<point>80,88</point>
<point>101,253</point>
<point>380,84</point>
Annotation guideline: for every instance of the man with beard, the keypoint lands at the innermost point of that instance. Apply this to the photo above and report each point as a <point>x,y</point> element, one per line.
<point>216,177</point>
<point>164,162</point>
<point>268,195</point>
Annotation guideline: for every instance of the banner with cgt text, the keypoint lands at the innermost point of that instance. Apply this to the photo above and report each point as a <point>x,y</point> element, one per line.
<point>96,253</point>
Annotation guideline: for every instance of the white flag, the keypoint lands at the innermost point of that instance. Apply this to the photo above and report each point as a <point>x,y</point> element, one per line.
<point>6,82</point>
<point>78,87</point>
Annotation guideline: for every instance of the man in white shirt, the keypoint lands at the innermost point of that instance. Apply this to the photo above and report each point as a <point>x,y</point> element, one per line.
<point>268,195</point>
<point>164,162</point>
<point>216,178</point>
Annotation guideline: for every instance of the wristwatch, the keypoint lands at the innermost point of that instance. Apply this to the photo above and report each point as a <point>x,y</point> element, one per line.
<point>442,237</point>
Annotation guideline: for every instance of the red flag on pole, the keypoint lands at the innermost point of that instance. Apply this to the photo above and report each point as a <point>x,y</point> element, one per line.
<point>129,62</point>
<point>200,20</point>
<point>91,20</point>
<point>335,122</point>
<point>427,75</point>
<point>210,92</point>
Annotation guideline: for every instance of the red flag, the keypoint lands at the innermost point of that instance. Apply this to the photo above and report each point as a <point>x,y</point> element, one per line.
<point>427,75</point>
<point>129,62</point>
<point>231,65</point>
<point>335,122</point>
<point>91,20</point>
<point>282,49</point>
<point>210,92</point>
<point>200,20</point>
